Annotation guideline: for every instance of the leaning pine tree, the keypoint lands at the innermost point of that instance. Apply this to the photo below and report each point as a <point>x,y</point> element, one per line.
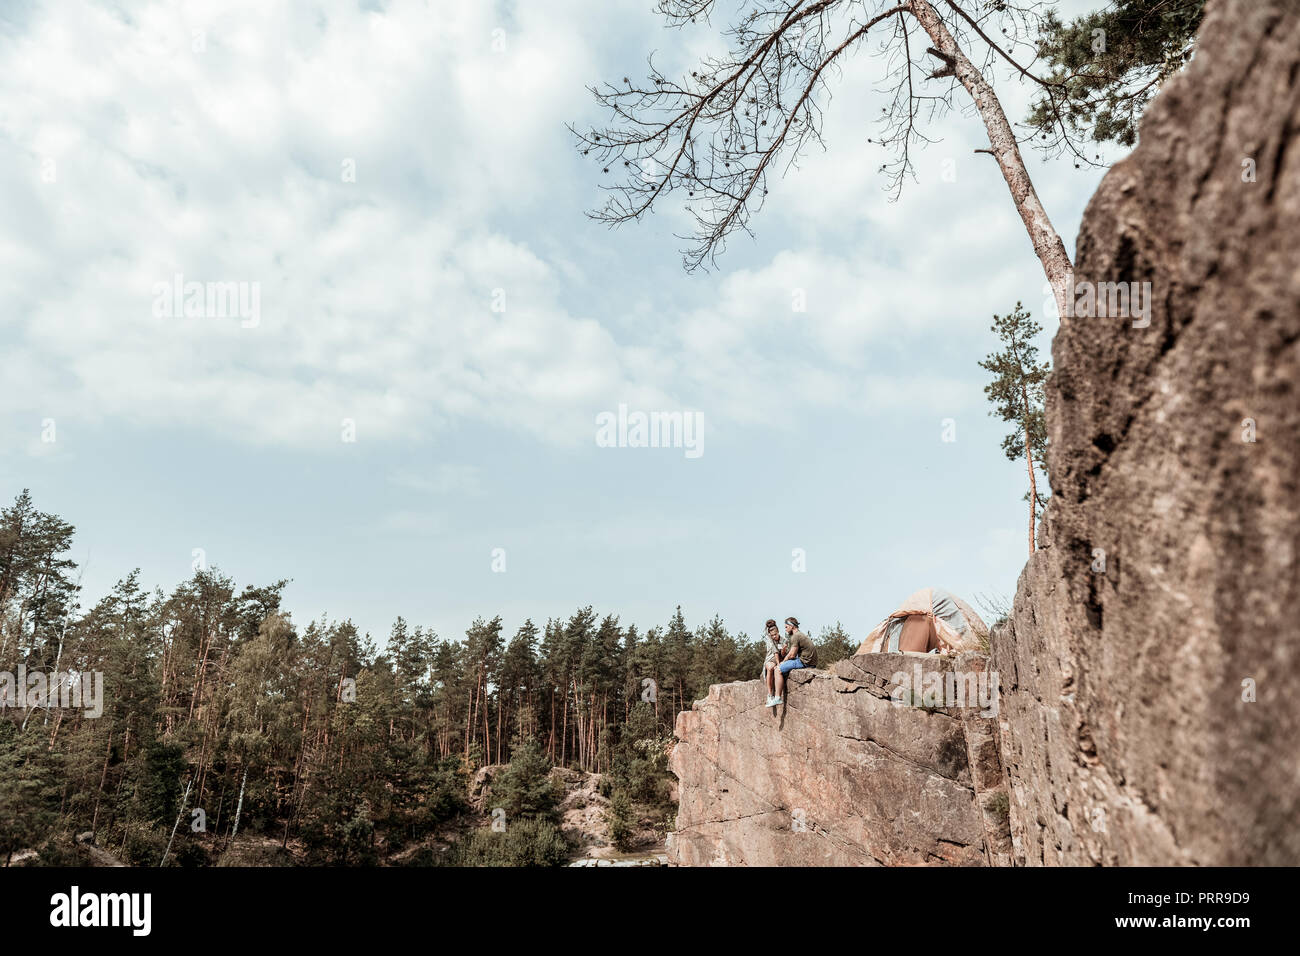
<point>718,133</point>
<point>1017,396</point>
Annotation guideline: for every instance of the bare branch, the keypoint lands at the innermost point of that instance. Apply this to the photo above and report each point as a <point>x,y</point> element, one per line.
<point>717,133</point>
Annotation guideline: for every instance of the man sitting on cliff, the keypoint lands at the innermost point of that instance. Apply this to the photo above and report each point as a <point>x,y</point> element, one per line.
<point>800,652</point>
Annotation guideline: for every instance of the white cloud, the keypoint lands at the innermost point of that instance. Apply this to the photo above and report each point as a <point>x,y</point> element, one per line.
<point>224,163</point>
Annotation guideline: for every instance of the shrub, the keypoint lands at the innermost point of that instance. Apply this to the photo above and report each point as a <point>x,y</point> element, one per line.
<point>1000,806</point>
<point>640,767</point>
<point>524,788</point>
<point>523,843</point>
<point>618,817</point>
<point>144,846</point>
<point>834,644</point>
<point>359,839</point>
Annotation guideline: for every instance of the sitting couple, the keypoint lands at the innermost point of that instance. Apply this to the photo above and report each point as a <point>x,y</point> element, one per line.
<point>793,651</point>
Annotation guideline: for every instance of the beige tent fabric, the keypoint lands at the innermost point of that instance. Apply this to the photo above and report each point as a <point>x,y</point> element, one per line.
<point>978,631</point>
<point>918,634</point>
<point>960,629</point>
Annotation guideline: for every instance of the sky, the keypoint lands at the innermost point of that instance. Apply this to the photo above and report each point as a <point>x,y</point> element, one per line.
<point>407,422</point>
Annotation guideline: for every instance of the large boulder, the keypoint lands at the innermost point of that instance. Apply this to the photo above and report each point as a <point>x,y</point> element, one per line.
<point>843,774</point>
<point>1148,714</point>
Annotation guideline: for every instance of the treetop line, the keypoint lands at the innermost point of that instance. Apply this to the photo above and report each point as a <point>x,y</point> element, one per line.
<point>210,697</point>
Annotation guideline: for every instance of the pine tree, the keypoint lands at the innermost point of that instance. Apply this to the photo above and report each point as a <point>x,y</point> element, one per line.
<point>524,788</point>
<point>834,644</point>
<point>1017,396</point>
<point>619,819</point>
<point>1106,66</point>
<point>214,700</point>
<point>25,791</point>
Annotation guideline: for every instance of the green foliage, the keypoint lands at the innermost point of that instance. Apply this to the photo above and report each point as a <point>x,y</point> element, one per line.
<point>26,804</point>
<point>187,853</point>
<point>834,644</point>
<point>442,795</point>
<point>619,819</point>
<point>1000,806</point>
<point>143,845</point>
<point>334,750</point>
<point>260,853</point>
<point>36,577</point>
<point>524,789</point>
<point>523,843</point>
<point>358,844</point>
<point>1105,67</point>
<point>158,784</point>
<point>640,767</point>
<point>337,820</point>
<point>57,851</point>
<point>1016,391</point>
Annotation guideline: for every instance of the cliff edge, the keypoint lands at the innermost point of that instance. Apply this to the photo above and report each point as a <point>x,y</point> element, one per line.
<point>1146,710</point>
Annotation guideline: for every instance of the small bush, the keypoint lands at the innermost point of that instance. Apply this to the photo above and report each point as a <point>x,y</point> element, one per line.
<point>1000,806</point>
<point>188,853</point>
<point>524,788</point>
<point>618,817</point>
<point>359,840</point>
<point>523,843</point>
<point>144,847</point>
<point>834,644</point>
<point>58,851</point>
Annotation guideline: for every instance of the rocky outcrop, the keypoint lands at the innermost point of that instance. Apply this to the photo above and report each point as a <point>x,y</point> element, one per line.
<point>1147,714</point>
<point>583,815</point>
<point>1165,595</point>
<point>843,774</point>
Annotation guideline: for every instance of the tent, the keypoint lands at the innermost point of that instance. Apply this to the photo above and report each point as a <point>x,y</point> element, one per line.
<point>930,619</point>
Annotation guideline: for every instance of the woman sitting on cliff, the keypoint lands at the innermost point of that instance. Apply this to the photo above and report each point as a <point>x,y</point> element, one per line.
<point>775,651</point>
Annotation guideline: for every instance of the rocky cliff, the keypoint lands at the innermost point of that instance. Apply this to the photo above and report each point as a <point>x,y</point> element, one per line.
<point>843,774</point>
<point>1149,713</point>
<point>1146,709</point>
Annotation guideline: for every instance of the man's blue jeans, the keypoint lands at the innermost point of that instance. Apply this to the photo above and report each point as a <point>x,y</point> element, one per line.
<point>793,664</point>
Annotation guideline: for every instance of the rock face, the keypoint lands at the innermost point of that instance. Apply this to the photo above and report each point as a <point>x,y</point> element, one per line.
<point>1147,713</point>
<point>1126,736</point>
<point>842,775</point>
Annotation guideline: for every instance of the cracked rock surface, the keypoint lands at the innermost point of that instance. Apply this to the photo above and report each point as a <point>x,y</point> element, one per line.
<point>1147,711</point>
<point>841,775</point>
<point>1175,457</point>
